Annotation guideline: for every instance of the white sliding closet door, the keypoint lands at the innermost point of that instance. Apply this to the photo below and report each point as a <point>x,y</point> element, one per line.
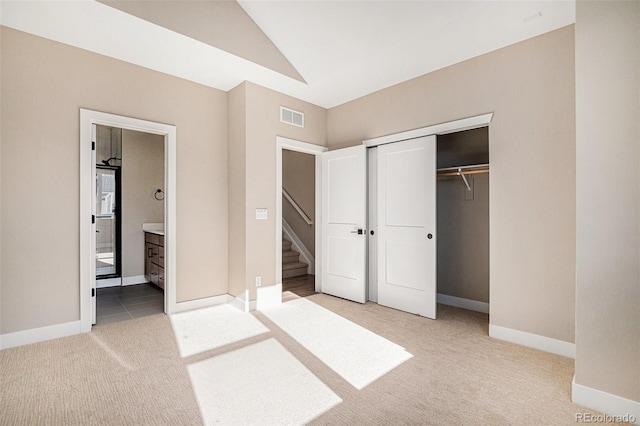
<point>406,210</point>
<point>344,214</point>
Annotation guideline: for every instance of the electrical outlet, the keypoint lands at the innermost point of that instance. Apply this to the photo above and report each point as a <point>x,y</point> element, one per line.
<point>262,214</point>
<point>258,280</point>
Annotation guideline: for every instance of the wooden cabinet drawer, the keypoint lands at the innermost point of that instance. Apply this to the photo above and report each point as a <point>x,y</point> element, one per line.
<point>160,259</point>
<point>161,277</point>
<point>154,274</point>
<point>153,238</point>
<point>154,258</point>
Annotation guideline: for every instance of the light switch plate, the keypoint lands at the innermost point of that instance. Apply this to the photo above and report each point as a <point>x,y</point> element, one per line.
<point>262,214</point>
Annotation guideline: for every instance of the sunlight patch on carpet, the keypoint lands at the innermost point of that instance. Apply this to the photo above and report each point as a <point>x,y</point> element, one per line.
<point>261,384</point>
<point>358,355</point>
<point>210,328</point>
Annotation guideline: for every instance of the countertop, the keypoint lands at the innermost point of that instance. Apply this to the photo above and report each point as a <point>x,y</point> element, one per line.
<point>153,228</point>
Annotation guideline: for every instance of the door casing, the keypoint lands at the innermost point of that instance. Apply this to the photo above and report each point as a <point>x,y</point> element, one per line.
<point>87,203</point>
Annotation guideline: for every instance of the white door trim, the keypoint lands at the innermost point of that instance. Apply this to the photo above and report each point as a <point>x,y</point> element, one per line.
<point>307,148</point>
<point>437,129</point>
<point>87,229</point>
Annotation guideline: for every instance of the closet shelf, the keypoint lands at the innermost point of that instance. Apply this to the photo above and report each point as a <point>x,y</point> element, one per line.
<point>463,170</point>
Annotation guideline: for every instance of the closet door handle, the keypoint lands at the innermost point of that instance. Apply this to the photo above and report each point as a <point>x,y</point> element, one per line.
<point>429,236</point>
<point>358,231</point>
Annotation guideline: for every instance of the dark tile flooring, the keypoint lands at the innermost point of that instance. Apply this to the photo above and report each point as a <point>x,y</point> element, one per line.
<point>127,302</point>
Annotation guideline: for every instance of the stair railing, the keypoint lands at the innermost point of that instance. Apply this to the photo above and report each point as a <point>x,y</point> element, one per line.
<point>295,205</point>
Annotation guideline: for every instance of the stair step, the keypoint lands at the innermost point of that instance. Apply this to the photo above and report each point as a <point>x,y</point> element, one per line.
<point>286,245</point>
<point>290,256</point>
<point>290,273</point>
<point>294,265</point>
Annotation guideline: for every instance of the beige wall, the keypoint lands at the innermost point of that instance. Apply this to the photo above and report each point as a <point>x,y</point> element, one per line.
<point>608,197</point>
<point>237,190</point>
<point>142,175</point>
<point>299,179</point>
<point>529,87</point>
<point>262,125</point>
<point>463,238</point>
<point>44,84</point>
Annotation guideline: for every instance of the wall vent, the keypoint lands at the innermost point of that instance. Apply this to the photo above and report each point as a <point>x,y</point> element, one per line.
<point>289,116</point>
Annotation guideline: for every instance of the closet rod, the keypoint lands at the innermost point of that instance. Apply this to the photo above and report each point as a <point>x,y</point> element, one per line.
<point>464,168</point>
<point>462,172</point>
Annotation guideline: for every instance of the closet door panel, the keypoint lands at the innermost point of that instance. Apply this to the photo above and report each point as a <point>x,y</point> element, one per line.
<point>406,226</point>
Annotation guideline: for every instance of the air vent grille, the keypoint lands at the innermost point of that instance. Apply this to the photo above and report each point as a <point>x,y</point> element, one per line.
<point>289,116</point>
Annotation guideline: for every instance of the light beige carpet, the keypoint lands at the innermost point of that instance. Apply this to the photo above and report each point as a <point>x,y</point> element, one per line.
<point>131,373</point>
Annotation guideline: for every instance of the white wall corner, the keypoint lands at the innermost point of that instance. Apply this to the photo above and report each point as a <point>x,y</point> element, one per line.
<point>241,302</point>
<point>269,297</point>
<point>42,334</point>
<point>297,245</point>
<point>535,341</point>
<point>617,408</point>
<point>459,302</point>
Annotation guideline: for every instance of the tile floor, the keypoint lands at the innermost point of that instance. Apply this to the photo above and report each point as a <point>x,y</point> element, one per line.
<point>127,302</point>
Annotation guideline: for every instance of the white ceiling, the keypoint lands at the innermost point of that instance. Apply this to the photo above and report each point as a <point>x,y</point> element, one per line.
<point>343,49</point>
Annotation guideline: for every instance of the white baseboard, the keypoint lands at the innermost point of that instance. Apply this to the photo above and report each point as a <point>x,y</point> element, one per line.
<point>109,282</point>
<point>269,297</point>
<point>297,245</point>
<point>35,335</point>
<point>201,303</point>
<point>459,302</point>
<point>612,405</point>
<point>535,341</point>
<point>136,279</point>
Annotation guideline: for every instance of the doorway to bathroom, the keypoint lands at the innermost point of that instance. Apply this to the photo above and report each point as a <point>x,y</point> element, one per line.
<point>144,205</point>
<point>129,224</point>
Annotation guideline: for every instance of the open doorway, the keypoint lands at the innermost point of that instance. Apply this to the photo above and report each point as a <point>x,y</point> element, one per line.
<point>129,224</point>
<point>166,138</point>
<point>298,194</point>
<point>298,224</point>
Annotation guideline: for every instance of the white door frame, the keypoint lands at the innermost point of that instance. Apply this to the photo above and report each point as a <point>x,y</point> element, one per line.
<point>87,230</point>
<point>307,148</point>
<point>469,123</point>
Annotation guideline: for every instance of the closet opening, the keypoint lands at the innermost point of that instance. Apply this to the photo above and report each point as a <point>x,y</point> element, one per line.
<point>463,219</point>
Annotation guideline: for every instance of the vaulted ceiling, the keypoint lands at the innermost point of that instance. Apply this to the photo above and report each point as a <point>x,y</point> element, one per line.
<point>324,52</point>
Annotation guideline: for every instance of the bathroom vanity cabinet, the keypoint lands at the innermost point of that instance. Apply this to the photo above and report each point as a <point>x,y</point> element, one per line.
<point>154,258</point>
